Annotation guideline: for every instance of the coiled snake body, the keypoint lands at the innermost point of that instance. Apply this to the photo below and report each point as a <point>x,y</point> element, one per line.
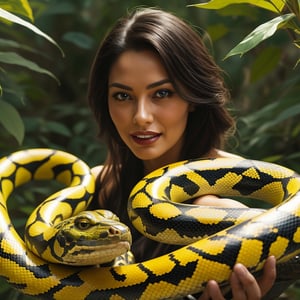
<point>184,271</point>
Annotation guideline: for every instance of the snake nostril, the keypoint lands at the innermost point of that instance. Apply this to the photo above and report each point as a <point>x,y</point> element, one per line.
<point>113,231</point>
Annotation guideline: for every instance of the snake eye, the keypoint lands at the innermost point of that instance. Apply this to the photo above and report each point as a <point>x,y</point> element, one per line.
<point>82,223</point>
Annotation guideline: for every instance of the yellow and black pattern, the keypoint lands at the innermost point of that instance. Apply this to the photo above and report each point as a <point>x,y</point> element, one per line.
<point>184,271</point>
<point>153,212</point>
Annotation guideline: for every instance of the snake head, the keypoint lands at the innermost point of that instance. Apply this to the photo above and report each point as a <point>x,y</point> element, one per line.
<point>98,225</point>
<point>91,237</point>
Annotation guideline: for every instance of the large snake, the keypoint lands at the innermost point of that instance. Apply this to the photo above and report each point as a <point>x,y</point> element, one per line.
<point>185,271</point>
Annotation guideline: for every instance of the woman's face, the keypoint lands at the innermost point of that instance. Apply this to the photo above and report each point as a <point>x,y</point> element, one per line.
<point>148,114</point>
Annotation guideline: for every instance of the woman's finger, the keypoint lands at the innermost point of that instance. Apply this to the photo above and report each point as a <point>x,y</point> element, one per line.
<point>244,284</point>
<point>212,291</point>
<point>269,275</point>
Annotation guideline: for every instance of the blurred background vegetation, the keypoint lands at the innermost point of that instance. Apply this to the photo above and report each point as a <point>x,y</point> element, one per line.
<point>43,92</point>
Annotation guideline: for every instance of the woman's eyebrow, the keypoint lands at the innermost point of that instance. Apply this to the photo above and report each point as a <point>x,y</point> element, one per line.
<point>150,86</point>
<point>120,85</point>
<point>158,83</point>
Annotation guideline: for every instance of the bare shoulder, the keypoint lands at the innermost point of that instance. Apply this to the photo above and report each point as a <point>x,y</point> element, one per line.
<point>224,154</point>
<point>216,153</point>
<point>96,170</point>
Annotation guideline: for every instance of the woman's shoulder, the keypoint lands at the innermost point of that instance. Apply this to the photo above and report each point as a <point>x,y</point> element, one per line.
<point>96,170</point>
<point>217,153</point>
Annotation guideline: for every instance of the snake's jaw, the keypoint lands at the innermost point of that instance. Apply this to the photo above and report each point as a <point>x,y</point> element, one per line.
<point>87,240</point>
<point>94,255</point>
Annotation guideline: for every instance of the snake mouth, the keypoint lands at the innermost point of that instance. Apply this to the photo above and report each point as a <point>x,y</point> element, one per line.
<point>94,249</point>
<point>98,243</point>
<point>88,248</point>
<point>84,255</point>
<point>111,235</point>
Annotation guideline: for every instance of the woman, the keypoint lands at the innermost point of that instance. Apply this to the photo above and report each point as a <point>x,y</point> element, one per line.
<point>158,98</point>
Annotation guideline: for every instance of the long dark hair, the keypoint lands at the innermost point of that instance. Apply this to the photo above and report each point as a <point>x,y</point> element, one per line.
<point>195,76</point>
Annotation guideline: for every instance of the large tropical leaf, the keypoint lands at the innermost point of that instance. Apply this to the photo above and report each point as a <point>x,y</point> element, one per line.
<point>273,5</point>
<point>12,121</point>
<point>16,59</point>
<point>15,19</point>
<point>19,7</point>
<point>265,62</point>
<point>259,34</point>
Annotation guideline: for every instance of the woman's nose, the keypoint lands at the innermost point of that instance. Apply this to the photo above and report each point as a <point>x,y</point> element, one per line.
<point>143,114</point>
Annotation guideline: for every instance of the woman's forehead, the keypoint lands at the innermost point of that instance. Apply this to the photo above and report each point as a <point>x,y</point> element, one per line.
<point>142,66</point>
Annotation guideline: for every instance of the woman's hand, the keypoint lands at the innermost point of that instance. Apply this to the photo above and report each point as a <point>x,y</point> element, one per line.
<point>243,283</point>
<point>212,200</point>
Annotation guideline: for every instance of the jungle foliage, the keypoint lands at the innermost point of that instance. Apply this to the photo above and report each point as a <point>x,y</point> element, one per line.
<point>47,47</point>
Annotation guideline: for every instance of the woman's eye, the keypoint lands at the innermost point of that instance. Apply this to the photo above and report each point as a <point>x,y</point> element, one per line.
<point>121,96</point>
<point>163,93</point>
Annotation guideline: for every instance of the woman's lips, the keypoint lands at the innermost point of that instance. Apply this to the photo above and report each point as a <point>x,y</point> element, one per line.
<point>145,138</point>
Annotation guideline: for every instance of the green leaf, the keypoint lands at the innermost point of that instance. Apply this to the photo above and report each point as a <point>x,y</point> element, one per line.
<point>11,120</point>
<point>259,34</point>
<point>274,5</point>
<point>283,116</point>
<point>266,61</point>
<point>288,113</point>
<point>9,43</point>
<point>57,127</point>
<point>6,43</point>
<point>60,8</point>
<point>79,39</point>
<point>13,18</point>
<point>15,59</point>
<point>217,31</point>
<point>19,7</point>
<point>273,158</point>
<point>250,12</point>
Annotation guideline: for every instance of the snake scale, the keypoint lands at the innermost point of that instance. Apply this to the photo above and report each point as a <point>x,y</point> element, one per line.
<point>251,237</point>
